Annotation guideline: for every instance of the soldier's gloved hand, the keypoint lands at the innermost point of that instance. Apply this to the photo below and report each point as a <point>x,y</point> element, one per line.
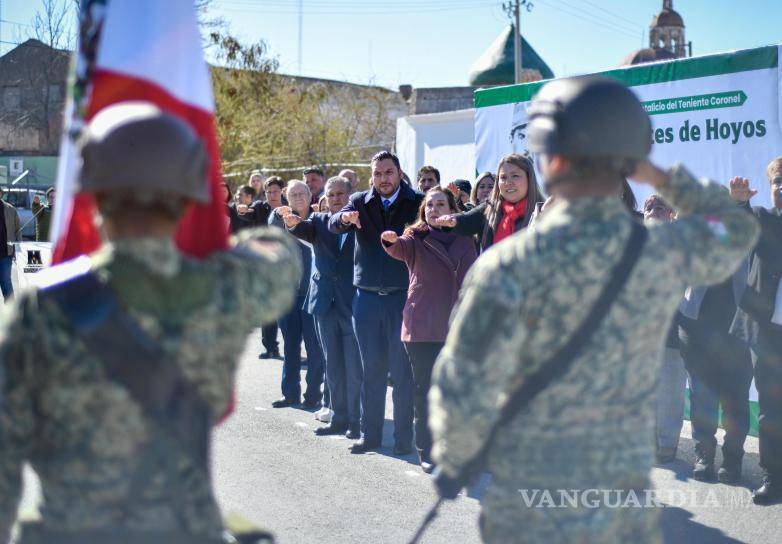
<point>447,487</point>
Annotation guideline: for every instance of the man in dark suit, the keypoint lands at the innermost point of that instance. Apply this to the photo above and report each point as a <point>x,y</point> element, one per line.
<point>330,301</point>
<point>315,180</point>
<point>758,321</point>
<point>381,290</point>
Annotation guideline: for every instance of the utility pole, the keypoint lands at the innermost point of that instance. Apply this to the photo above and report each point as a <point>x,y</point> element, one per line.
<point>513,10</point>
<point>301,30</point>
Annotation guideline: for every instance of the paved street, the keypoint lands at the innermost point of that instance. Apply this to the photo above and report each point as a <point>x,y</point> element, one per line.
<point>271,469</point>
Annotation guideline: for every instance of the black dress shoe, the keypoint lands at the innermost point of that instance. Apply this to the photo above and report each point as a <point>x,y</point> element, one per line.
<point>402,449</point>
<point>362,446</point>
<point>310,404</point>
<point>331,429</point>
<point>703,471</point>
<point>769,493</point>
<point>353,433</point>
<point>284,402</point>
<point>427,466</point>
<point>269,355</point>
<point>730,471</point>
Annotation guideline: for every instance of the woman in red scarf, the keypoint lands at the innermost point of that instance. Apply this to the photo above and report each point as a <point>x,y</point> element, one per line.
<point>508,208</point>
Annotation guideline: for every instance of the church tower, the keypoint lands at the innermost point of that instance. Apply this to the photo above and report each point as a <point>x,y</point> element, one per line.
<point>667,31</point>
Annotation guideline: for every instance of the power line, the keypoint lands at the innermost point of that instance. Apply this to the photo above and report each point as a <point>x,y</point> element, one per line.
<point>323,9</point>
<point>357,4</point>
<point>590,20</point>
<point>589,13</point>
<point>353,12</point>
<point>612,13</point>
<point>591,16</point>
<point>15,23</point>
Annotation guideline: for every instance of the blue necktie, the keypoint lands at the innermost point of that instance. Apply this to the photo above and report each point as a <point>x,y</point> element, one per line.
<point>342,239</point>
<point>386,204</point>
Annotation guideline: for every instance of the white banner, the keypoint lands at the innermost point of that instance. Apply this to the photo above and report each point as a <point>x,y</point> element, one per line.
<point>31,258</point>
<point>719,115</point>
<point>443,140</point>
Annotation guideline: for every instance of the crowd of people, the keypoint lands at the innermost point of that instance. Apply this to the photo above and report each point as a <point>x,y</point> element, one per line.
<point>383,271</point>
<point>538,361</point>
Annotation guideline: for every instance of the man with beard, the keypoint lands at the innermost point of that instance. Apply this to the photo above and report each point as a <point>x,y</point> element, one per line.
<point>381,290</point>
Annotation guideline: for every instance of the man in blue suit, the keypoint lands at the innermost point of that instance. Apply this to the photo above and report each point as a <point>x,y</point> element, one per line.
<point>330,301</point>
<point>381,289</point>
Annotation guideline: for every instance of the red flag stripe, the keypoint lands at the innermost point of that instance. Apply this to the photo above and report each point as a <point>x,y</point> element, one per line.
<point>203,229</point>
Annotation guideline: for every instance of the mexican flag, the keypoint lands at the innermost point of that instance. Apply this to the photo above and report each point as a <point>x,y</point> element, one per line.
<point>137,50</point>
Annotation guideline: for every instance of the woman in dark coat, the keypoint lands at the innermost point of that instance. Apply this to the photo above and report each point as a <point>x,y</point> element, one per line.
<point>508,209</point>
<point>437,261</point>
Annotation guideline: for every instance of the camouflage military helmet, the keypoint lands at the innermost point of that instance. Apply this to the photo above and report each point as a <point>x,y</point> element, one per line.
<point>136,147</point>
<point>589,117</point>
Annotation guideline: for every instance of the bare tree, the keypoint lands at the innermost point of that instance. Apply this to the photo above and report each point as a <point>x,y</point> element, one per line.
<point>54,24</point>
<point>38,71</point>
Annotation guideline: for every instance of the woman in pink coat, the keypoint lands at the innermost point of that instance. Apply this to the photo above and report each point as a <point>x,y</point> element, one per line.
<point>437,261</point>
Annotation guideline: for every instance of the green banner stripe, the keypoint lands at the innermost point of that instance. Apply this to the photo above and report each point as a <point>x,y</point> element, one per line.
<point>696,102</point>
<point>710,65</point>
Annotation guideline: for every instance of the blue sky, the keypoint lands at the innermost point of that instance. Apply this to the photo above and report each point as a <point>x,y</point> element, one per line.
<point>431,43</point>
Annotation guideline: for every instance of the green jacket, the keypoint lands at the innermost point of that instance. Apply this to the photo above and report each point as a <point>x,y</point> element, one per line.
<point>83,434</point>
<point>42,221</point>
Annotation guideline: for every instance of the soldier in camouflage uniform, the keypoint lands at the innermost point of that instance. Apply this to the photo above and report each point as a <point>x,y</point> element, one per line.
<point>83,433</point>
<point>593,429</point>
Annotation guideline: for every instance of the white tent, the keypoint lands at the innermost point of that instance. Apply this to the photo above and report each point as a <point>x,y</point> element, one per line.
<point>443,140</point>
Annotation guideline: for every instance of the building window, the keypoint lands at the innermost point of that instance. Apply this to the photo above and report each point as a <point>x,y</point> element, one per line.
<point>12,98</point>
<point>53,95</point>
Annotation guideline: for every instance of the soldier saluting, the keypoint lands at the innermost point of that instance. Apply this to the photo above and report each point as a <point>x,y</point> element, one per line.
<point>591,428</point>
<point>112,375</point>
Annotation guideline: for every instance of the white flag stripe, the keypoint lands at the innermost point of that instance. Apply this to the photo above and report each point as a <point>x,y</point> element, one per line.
<point>67,165</point>
<point>157,42</point>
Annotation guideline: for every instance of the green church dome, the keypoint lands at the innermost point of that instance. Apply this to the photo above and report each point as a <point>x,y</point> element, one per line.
<point>496,66</point>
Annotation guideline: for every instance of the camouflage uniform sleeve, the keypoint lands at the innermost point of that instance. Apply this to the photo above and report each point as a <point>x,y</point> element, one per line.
<point>712,233</point>
<point>17,416</point>
<point>264,266</point>
<point>479,367</point>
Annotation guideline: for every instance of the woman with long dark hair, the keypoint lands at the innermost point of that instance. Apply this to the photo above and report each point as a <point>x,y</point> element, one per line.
<point>509,206</point>
<point>437,261</point>
<point>481,190</point>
